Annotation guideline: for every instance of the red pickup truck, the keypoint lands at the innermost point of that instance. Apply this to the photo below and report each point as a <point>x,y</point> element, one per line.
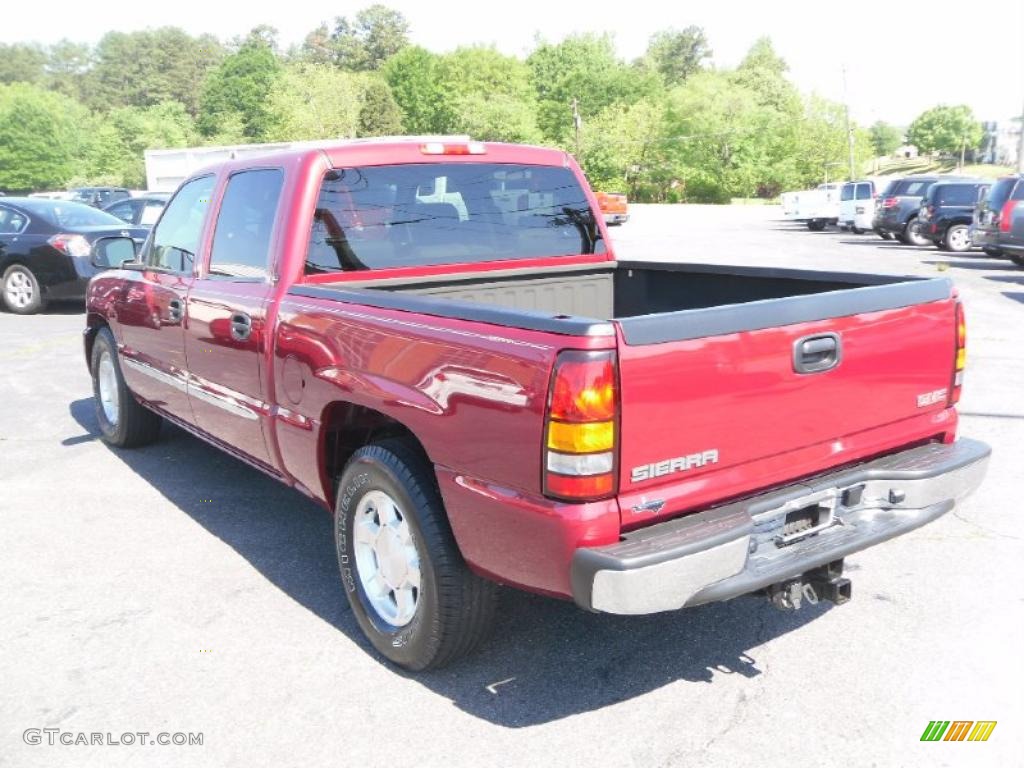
<point>435,340</point>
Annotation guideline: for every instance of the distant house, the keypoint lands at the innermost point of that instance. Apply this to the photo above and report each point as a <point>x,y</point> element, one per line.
<point>1000,142</point>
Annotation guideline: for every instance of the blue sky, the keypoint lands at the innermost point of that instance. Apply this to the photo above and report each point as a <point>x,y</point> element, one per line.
<point>901,58</point>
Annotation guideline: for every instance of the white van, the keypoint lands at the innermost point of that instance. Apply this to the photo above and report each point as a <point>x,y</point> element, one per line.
<point>857,205</point>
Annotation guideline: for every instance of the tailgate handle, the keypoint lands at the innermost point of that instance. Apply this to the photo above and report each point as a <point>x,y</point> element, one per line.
<point>814,354</point>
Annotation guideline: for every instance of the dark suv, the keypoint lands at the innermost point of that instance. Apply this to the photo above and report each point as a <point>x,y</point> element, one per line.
<point>99,197</point>
<point>896,209</point>
<point>947,210</point>
<point>999,220</point>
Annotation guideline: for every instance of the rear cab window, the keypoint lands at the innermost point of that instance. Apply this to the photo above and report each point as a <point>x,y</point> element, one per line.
<point>864,191</point>
<point>848,192</point>
<point>421,214</point>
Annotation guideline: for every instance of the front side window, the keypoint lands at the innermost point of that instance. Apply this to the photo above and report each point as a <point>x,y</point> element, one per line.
<point>381,217</point>
<point>176,238</point>
<point>241,241</point>
<point>123,211</point>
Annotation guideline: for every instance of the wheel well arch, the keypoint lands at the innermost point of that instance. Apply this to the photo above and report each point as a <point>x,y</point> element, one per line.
<point>345,427</point>
<point>93,322</point>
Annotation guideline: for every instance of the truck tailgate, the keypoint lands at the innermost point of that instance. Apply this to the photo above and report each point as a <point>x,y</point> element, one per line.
<point>712,417</point>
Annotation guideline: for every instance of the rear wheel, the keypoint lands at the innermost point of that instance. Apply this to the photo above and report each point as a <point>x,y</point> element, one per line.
<point>22,294</point>
<point>912,234</point>
<point>958,238</point>
<point>884,235</point>
<point>409,588</point>
<point>816,225</point>
<point>857,230</point>
<point>1017,258</point>
<point>123,421</point>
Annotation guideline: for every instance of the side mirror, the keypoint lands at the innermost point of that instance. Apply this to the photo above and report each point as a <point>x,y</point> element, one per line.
<point>112,252</point>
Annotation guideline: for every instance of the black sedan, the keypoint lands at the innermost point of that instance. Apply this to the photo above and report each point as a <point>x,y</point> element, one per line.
<point>46,249</point>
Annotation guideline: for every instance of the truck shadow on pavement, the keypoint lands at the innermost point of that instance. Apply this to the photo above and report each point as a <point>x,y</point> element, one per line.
<point>546,659</point>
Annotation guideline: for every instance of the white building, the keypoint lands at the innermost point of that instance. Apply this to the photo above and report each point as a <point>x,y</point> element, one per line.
<point>1000,143</point>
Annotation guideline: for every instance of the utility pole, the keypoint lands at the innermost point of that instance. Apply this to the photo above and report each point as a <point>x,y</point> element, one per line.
<point>849,129</point>
<point>577,122</point>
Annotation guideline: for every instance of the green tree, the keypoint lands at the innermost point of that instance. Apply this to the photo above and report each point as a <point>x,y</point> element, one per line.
<point>885,138</point>
<point>38,137</point>
<point>150,67</point>
<point>678,54</point>
<point>586,68</point>
<point>763,72</point>
<point>314,101</point>
<point>238,89</point>
<point>68,69</point>
<point>22,63</point>
<point>623,149</point>
<point>951,130</point>
<point>379,114</point>
<point>376,34</point>
<point>414,77</point>
<point>487,95</point>
<point>317,47</point>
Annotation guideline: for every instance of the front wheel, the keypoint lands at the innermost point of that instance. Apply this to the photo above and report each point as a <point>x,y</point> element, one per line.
<point>409,588</point>
<point>123,421</point>
<point>885,235</point>
<point>22,294</point>
<point>816,225</point>
<point>1017,258</point>
<point>958,238</point>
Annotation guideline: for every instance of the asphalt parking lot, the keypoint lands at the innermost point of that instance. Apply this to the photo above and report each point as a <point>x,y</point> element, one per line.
<point>173,589</point>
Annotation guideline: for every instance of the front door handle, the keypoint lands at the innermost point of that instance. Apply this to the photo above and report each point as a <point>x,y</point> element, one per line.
<point>174,310</point>
<point>241,326</point>
<point>817,353</point>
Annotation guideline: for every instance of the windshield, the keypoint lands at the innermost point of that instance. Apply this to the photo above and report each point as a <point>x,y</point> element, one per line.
<point>68,215</point>
<point>447,213</point>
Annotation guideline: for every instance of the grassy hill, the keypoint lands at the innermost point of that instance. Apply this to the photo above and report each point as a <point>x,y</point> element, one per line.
<point>890,167</point>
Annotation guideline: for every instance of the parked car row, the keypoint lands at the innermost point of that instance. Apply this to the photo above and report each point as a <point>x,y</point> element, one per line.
<point>953,213</point>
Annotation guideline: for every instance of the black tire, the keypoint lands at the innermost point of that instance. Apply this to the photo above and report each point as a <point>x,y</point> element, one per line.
<point>911,235</point>
<point>995,253</point>
<point>18,281</point>
<point>857,230</point>
<point>949,241</point>
<point>1017,258</point>
<point>884,235</point>
<point>454,607</point>
<point>134,425</point>
<point>816,225</point>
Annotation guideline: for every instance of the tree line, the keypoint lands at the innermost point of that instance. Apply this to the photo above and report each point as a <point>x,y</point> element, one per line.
<point>666,127</point>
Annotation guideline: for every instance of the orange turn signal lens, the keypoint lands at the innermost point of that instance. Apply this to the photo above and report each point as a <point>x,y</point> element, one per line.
<point>588,437</point>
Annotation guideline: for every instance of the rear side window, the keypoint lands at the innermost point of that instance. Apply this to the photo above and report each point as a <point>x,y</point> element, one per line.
<point>911,188</point>
<point>11,221</point>
<point>447,213</point>
<point>1000,193</point>
<point>863,191</point>
<point>177,236</point>
<point>955,194</point>
<point>847,193</point>
<point>241,241</point>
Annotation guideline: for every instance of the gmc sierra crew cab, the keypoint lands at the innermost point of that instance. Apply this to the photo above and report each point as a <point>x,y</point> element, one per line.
<point>433,338</point>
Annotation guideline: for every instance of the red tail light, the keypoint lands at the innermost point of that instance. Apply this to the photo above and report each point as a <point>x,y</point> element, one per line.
<point>1006,215</point>
<point>890,202</point>
<point>960,357</point>
<point>71,245</point>
<point>580,432</point>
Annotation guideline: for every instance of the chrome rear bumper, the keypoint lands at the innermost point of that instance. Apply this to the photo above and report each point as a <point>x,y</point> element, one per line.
<point>744,546</point>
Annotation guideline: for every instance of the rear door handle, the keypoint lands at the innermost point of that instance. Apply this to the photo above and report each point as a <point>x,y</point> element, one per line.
<point>241,326</point>
<point>817,353</point>
<point>174,310</point>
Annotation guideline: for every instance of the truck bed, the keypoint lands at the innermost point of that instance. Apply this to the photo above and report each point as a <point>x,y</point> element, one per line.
<point>644,298</point>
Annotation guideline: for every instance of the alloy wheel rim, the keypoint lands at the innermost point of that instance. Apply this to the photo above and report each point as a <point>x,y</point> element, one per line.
<point>106,378</point>
<point>19,289</point>
<point>387,562</point>
<point>958,239</point>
